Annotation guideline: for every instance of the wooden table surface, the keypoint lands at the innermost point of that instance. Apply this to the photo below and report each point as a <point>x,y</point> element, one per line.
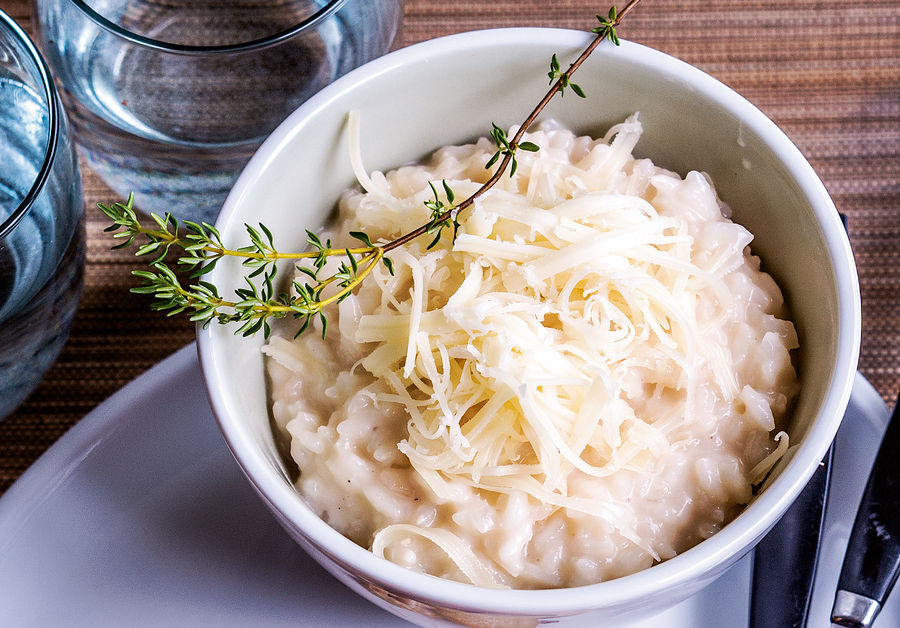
<point>826,71</point>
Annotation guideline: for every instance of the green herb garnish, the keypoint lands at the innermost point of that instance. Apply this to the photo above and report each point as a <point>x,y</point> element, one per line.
<point>313,289</point>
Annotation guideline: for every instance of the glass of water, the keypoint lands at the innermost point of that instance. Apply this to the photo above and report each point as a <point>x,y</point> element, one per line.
<point>41,219</point>
<point>170,99</point>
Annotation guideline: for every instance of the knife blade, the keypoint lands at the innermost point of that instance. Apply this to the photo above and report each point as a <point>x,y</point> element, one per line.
<point>784,563</point>
<point>872,561</point>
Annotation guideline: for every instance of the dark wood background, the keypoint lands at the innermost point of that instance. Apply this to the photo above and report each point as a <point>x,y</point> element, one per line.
<point>826,71</point>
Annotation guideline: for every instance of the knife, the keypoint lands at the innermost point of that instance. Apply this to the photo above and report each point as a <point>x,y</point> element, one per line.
<point>784,564</point>
<point>872,561</point>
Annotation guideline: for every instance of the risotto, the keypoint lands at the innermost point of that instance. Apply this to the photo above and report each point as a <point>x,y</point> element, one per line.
<point>590,378</point>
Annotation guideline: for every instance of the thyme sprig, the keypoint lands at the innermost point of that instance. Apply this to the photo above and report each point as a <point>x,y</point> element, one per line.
<point>608,31</point>
<point>318,284</point>
<point>201,249</point>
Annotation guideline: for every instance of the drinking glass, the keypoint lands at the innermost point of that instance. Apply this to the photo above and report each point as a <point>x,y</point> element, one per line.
<point>41,219</point>
<point>170,99</point>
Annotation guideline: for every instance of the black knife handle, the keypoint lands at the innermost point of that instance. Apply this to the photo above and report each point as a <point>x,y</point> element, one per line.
<point>872,561</point>
<point>784,564</point>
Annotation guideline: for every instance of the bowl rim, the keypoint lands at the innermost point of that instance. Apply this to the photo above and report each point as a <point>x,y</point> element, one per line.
<point>723,548</point>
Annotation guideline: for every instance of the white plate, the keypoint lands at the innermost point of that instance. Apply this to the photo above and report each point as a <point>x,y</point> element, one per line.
<point>139,516</point>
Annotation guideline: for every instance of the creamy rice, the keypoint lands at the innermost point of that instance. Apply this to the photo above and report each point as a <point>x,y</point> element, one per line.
<point>588,380</point>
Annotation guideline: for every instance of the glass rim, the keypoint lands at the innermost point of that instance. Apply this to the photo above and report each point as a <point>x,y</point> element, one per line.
<point>254,44</point>
<point>53,120</point>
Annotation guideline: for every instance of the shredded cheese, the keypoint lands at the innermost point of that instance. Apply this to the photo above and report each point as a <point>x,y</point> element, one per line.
<point>575,330</point>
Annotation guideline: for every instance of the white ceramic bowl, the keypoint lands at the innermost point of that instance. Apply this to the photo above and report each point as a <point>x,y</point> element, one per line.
<point>448,91</point>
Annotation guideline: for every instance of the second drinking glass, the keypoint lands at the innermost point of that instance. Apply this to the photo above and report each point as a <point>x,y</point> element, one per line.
<point>169,100</point>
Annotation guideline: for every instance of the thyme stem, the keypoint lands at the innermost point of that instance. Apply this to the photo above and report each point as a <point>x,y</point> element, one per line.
<point>221,251</point>
<point>202,246</point>
<point>523,128</point>
<point>373,259</point>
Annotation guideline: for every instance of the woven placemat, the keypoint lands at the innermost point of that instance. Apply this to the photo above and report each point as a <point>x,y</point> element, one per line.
<point>827,72</point>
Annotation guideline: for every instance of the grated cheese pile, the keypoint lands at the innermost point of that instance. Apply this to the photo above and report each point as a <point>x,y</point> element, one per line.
<point>586,381</point>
